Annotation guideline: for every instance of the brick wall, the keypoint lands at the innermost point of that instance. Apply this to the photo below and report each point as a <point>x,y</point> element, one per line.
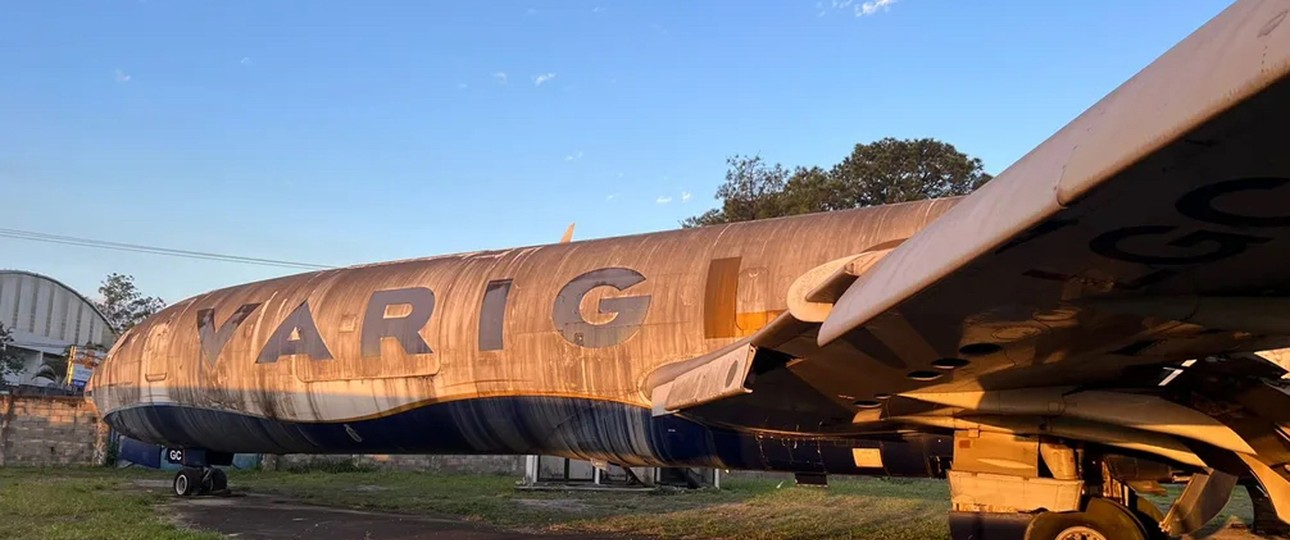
<point>508,465</point>
<point>50,430</point>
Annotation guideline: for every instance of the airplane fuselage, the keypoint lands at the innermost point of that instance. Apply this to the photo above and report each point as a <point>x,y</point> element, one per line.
<point>530,350</point>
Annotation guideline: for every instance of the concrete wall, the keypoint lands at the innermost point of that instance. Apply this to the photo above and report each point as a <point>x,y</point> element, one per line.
<point>46,430</point>
<point>508,465</point>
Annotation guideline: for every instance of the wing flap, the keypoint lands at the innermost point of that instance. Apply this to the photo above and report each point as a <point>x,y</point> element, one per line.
<point>723,376</point>
<point>719,374</point>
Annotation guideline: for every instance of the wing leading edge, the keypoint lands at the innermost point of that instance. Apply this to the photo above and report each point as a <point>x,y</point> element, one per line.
<point>1175,185</point>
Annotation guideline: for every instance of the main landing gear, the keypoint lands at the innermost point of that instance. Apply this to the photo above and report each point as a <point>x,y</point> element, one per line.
<point>1101,519</point>
<point>1015,487</point>
<point>192,481</point>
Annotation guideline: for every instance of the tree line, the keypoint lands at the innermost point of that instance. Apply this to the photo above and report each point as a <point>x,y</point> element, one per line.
<point>885,171</point>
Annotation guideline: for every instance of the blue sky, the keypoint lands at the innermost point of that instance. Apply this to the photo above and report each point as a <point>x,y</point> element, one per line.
<point>349,132</point>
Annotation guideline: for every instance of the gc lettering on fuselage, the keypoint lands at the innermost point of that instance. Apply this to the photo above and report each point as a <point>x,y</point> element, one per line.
<point>398,315</point>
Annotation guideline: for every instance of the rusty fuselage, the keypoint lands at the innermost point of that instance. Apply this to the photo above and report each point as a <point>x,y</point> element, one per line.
<point>543,349</point>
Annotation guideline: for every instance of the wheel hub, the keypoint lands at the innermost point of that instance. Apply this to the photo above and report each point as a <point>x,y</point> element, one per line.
<point>1080,532</point>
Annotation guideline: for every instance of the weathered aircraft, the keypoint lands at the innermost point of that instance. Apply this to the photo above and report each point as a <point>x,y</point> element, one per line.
<point>1089,324</point>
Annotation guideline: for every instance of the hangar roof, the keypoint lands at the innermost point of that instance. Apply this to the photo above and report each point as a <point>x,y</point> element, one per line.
<point>46,314</point>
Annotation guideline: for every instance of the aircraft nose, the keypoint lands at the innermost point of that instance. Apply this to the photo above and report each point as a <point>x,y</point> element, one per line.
<point>109,385</point>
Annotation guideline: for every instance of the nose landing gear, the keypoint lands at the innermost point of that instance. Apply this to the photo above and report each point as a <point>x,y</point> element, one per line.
<point>198,474</point>
<point>193,481</point>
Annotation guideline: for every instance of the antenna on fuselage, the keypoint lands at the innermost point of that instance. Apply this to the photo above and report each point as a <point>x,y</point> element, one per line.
<point>568,234</point>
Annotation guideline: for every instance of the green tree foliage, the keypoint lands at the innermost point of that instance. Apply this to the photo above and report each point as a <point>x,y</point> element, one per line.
<point>122,303</point>
<point>10,362</point>
<point>753,190</point>
<point>882,172</point>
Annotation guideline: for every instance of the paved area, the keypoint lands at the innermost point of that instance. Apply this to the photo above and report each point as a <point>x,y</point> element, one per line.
<point>272,518</point>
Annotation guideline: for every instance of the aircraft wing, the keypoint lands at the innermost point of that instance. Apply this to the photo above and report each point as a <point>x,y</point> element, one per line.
<point>1155,226</point>
<point>1152,230</point>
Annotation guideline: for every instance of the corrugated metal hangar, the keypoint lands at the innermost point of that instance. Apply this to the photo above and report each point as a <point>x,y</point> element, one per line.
<point>46,317</point>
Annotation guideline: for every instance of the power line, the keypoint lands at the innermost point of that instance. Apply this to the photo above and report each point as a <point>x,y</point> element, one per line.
<point>139,248</point>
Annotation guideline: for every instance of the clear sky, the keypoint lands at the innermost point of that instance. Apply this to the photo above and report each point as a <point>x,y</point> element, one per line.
<point>349,132</point>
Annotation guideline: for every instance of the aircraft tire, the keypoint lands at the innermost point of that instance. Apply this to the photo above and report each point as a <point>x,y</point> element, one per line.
<point>1102,520</point>
<point>219,481</point>
<point>188,482</point>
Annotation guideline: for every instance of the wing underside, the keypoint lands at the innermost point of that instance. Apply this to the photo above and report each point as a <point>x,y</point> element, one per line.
<point>1108,287</point>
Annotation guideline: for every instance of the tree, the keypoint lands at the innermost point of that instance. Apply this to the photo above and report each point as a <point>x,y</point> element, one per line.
<point>752,190</point>
<point>10,362</point>
<point>894,170</point>
<point>810,190</point>
<point>122,303</point>
<point>882,172</point>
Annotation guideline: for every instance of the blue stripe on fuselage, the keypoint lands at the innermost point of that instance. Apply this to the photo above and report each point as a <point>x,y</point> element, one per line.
<point>571,427</point>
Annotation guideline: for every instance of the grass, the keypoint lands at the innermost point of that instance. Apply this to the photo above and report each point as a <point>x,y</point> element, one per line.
<point>752,508</point>
<point>745,507</point>
<point>103,503</point>
<point>1239,510</point>
<point>75,504</point>
<point>849,508</point>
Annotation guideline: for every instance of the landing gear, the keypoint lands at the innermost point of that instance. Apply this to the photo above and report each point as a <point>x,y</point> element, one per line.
<point>193,481</point>
<point>198,474</point>
<point>1009,487</point>
<point>187,482</point>
<point>216,482</point>
<point>1101,520</point>
<point>1266,522</point>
